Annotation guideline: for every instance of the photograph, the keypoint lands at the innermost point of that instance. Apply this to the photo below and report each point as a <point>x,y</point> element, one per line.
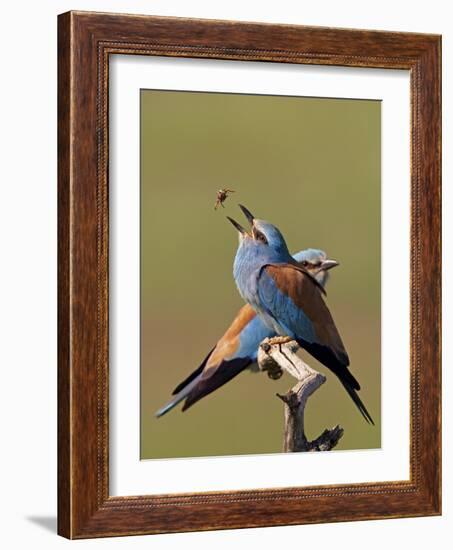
<point>260,258</point>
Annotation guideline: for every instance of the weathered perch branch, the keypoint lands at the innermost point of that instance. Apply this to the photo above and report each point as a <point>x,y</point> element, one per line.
<point>276,355</point>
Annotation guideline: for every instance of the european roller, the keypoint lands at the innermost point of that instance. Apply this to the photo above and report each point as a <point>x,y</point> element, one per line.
<point>289,300</point>
<point>238,347</point>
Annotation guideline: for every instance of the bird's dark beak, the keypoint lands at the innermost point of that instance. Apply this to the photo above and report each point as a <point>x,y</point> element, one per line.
<point>250,217</point>
<point>328,264</point>
<point>239,227</point>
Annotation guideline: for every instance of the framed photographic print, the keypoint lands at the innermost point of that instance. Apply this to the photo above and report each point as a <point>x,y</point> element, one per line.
<point>249,275</point>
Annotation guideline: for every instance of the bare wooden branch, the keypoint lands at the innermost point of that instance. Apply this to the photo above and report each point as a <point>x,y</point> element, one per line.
<point>276,355</point>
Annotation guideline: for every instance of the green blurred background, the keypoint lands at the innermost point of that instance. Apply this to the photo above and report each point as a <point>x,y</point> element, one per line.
<point>312,167</point>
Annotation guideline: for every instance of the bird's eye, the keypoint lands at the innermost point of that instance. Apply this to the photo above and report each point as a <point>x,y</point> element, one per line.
<point>305,263</point>
<point>260,237</point>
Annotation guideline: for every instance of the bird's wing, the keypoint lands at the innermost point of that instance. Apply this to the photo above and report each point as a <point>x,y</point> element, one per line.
<point>233,353</point>
<point>294,300</point>
<point>197,372</point>
<point>290,296</point>
<point>224,372</point>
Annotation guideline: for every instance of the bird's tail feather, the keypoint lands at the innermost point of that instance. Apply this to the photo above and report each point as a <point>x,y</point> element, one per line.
<point>354,396</point>
<point>338,365</point>
<point>177,398</point>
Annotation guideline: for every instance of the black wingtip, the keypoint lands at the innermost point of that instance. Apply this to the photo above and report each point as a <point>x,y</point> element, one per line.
<point>193,374</point>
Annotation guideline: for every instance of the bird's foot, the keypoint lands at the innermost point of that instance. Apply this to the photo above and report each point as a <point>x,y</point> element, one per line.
<point>274,372</point>
<point>279,340</point>
<point>267,362</point>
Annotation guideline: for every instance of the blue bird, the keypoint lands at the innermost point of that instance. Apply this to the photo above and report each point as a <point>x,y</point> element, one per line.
<point>238,347</point>
<point>289,300</point>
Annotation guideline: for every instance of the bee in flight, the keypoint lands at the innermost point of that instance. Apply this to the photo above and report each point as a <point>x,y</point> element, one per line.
<point>222,195</point>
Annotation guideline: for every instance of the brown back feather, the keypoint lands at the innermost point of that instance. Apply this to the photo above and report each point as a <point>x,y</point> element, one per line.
<point>305,292</point>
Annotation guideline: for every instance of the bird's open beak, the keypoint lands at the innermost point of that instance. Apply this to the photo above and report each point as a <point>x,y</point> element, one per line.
<point>239,227</point>
<point>328,264</point>
<point>250,217</point>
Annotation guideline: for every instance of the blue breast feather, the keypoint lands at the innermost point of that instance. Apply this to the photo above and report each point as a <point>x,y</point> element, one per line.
<point>247,264</point>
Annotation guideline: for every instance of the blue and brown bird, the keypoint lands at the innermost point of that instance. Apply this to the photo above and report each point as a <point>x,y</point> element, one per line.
<point>238,347</point>
<point>289,300</point>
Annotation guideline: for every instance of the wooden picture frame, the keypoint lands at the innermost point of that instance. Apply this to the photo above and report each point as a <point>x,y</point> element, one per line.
<point>85,42</point>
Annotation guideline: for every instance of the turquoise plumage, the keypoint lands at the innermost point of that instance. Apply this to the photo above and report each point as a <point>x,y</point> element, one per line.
<point>238,347</point>
<point>289,300</point>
